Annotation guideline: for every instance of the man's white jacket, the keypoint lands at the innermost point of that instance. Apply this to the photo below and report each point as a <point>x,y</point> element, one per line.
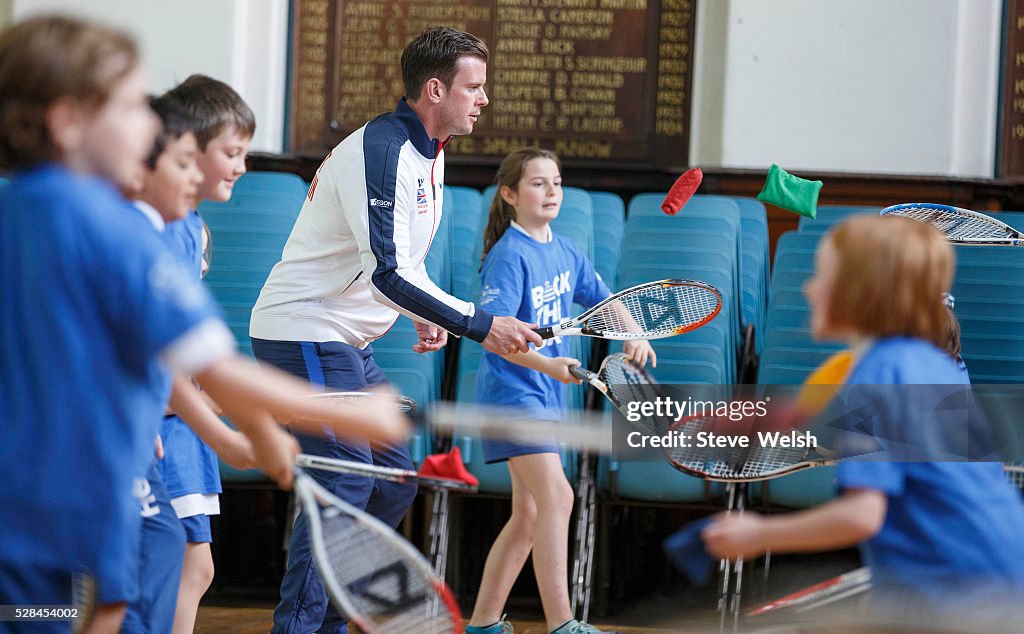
<point>355,257</point>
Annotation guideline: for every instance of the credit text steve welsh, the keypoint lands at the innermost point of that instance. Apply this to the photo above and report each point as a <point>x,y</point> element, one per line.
<point>707,439</point>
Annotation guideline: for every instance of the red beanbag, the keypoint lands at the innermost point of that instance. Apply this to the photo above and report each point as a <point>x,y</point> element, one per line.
<point>682,190</point>
<point>448,465</point>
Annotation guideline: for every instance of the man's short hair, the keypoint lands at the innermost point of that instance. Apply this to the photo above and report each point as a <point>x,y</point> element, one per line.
<point>435,53</point>
<point>213,106</point>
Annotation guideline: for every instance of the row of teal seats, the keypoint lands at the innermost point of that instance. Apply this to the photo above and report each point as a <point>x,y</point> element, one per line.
<point>987,285</point>
<point>702,242</point>
<point>713,348</point>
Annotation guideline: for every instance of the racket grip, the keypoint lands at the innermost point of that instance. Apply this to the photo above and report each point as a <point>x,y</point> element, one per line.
<point>589,376</point>
<point>546,332</point>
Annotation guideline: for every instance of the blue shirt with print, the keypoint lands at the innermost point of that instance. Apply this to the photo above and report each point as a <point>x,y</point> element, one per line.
<point>536,282</point>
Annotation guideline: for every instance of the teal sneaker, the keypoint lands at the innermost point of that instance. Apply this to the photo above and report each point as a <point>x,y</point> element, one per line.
<point>501,627</point>
<point>579,627</point>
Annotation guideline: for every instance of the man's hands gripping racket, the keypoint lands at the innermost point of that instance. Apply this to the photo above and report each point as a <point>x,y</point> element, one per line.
<point>374,577</point>
<point>961,226</point>
<point>646,311</point>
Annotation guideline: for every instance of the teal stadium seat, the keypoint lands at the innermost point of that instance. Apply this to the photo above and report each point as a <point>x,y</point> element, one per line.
<point>704,246</point>
<point>989,292</point>
<point>645,221</point>
<point>789,355</point>
<point>829,215</point>
<point>755,265</point>
<point>249,232</point>
<point>468,213</point>
<point>609,226</point>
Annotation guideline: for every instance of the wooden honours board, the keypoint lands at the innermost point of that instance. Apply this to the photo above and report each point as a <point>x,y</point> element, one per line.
<point>1011,138</point>
<point>599,81</point>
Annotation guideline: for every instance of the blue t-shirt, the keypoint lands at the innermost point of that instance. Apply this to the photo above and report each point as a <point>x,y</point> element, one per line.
<point>949,526</point>
<point>186,236</point>
<point>189,467</point>
<point>89,295</point>
<point>537,283</point>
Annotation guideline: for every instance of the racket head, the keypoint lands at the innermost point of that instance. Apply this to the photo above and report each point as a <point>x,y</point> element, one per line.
<point>653,310</point>
<point>630,382</point>
<point>375,577</point>
<point>403,403</point>
<point>753,463</point>
<point>961,226</point>
<point>818,594</point>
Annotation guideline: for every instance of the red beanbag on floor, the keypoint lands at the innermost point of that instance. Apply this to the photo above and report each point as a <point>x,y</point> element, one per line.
<point>448,465</point>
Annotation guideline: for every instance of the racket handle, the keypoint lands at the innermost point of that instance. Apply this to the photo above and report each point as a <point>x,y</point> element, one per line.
<point>582,373</point>
<point>590,377</point>
<point>546,332</point>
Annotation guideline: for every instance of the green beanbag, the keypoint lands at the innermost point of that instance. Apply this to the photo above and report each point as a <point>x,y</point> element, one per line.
<point>796,194</point>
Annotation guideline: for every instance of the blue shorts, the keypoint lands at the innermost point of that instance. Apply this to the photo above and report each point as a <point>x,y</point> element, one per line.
<point>160,561</point>
<point>197,529</point>
<point>496,450</point>
<point>336,366</point>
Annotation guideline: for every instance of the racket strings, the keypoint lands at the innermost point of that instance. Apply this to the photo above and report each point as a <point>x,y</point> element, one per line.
<point>657,310</point>
<point>956,226</point>
<point>376,577</point>
<point>731,463</point>
<point>629,384</point>
<point>1014,472</point>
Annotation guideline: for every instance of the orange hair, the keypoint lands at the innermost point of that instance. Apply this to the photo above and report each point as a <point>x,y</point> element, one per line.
<point>891,275</point>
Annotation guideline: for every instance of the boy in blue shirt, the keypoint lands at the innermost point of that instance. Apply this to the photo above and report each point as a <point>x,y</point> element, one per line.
<point>166,192</point>
<point>91,303</point>
<point>223,126</point>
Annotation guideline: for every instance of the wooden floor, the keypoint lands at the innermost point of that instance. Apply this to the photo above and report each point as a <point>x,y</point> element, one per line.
<point>258,621</point>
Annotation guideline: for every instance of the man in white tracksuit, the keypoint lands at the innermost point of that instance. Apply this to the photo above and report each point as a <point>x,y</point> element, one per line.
<point>355,261</point>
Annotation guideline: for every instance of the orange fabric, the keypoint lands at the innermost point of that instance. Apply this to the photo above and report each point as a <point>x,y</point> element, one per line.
<point>812,400</point>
